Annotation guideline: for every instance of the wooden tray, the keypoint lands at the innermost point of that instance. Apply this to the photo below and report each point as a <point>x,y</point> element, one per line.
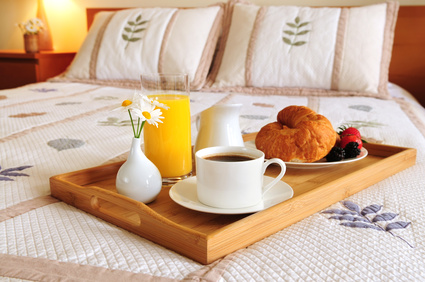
<point>207,237</point>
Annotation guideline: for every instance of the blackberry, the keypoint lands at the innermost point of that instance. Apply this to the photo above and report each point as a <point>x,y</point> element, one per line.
<point>352,150</point>
<point>336,154</point>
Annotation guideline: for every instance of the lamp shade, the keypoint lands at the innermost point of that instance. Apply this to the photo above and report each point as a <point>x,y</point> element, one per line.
<point>45,37</point>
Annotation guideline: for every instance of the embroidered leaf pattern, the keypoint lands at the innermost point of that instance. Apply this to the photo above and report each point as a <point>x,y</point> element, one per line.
<point>6,174</point>
<point>65,144</point>
<point>369,218</point>
<point>113,121</point>
<point>257,117</point>
<point>384,217</point>
<point>68,103</point>
<point>349,218</point>
<point>339,212</point>
<point>371,209</point>
<point>295,31</point>
<point>43,90</point>
<point>364,108</point>
<point>105,98</point>
<point>360,225</point>
<point>351,206</point>
<point>132,28</point>
<point>397,225</point>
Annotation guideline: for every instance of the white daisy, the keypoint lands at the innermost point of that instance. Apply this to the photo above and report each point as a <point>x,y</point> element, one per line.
<point>31,28</point>
<point>151,116</point>
<point>155,103</point>
<point>129,104</point>
<point>160,105</point>
<point>145,110</point>
<point>37,22</point>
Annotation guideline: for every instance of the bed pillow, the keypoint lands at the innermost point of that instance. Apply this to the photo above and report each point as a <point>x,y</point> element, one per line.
<point>122,45</point>
<point>293,50</point>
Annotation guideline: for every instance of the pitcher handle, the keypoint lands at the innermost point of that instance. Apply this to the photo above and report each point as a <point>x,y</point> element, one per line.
<point>198,118</point>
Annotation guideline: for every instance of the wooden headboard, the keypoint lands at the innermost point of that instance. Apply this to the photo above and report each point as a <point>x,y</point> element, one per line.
<point>407,68</point>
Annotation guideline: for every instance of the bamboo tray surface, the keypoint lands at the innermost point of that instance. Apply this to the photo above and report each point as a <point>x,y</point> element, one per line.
<point>206,237</point>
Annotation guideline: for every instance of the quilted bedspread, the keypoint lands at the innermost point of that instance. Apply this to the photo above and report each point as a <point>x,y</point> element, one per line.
<point>48,129</point>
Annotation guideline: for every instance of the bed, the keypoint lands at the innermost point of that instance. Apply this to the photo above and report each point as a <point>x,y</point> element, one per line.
<point>67,124</point>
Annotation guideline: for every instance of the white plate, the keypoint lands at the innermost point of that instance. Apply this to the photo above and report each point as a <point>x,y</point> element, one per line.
<point>320,163</point>
<point>184,193</point>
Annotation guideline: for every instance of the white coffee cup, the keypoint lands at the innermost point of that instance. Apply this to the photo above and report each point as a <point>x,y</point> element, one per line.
<point>233,184</point>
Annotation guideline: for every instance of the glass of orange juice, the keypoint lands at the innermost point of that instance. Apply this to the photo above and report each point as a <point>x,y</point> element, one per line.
<point>169,145</point>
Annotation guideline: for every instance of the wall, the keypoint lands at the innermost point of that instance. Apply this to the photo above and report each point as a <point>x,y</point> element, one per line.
<point>67,20</point>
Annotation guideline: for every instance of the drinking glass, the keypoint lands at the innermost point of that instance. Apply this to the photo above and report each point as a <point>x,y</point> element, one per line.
<point>169,145</point>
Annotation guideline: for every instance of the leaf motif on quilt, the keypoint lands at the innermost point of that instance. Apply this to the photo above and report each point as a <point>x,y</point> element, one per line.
<point>360,225</point>
<point>348,218</point>
<point>364,108</point>
<point>132,28</point>
<point>24,115</point>
<point>369,217</point>
<point>107,98</point>
<point>65,144</point>
<point>371,209</point>
<point>397,225</point>
<point>43,90</point>
<point>6,174</point>
<point>384,217</point>
<point>256,117</point>
<point>296,30</point>
<point>336,211</point>
<point>351,206</point>
<point>113,121</point>
<point>68,103</point>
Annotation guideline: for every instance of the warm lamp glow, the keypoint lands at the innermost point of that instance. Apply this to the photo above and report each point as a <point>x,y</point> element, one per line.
<point>45,37</point>
<point>67,21</point>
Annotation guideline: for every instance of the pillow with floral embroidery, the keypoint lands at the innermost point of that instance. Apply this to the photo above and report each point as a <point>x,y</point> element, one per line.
<point>122,45</point>
<point>294,50</point>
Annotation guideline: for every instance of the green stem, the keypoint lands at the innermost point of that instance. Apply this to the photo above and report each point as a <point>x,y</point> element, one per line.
<point>132,124</point>
<point>141,127</point>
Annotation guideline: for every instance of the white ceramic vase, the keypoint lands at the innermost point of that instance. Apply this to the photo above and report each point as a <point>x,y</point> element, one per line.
<point>138,178</point>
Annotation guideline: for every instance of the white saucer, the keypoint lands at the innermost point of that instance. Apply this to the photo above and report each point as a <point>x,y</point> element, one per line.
<point>320,163</point>
<point>184,193</point>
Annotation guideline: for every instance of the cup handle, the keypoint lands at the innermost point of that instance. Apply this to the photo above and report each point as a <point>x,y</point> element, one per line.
<point>277,178</point>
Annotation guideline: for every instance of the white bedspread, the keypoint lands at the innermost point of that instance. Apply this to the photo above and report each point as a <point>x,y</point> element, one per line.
<point>53,128</point>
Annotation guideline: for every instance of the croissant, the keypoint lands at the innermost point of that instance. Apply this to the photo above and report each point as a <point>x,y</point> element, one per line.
<point>298,135</point>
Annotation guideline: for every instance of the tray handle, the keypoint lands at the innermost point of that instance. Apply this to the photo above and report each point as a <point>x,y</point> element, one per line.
<point>116,207</point>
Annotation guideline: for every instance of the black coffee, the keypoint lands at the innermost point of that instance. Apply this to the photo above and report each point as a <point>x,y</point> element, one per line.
<point>228,158</point>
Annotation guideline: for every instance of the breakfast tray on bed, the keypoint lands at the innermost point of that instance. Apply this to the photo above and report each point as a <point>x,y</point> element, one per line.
<point>206,237</point>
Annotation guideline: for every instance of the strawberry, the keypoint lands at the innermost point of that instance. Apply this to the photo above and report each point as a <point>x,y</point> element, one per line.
<point>350,131</point>
<point>350,138</point>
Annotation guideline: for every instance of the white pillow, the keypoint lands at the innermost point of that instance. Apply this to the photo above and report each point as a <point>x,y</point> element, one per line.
<point>294,50</point>
<point>122,45</point>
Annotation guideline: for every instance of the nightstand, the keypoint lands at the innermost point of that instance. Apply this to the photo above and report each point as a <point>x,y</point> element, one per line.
<point>18,68</point>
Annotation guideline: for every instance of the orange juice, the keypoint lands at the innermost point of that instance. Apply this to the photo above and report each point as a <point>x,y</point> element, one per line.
<point>169,146</point>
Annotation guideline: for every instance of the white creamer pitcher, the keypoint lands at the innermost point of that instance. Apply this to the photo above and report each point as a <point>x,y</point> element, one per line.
<point>219,126</point>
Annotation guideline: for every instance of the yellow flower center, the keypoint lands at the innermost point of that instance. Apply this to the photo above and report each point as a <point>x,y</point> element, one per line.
<point>147,115</point>
<point>126,103</point>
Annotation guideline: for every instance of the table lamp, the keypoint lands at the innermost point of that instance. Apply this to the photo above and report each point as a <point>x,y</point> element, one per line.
<point>45,37</point>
